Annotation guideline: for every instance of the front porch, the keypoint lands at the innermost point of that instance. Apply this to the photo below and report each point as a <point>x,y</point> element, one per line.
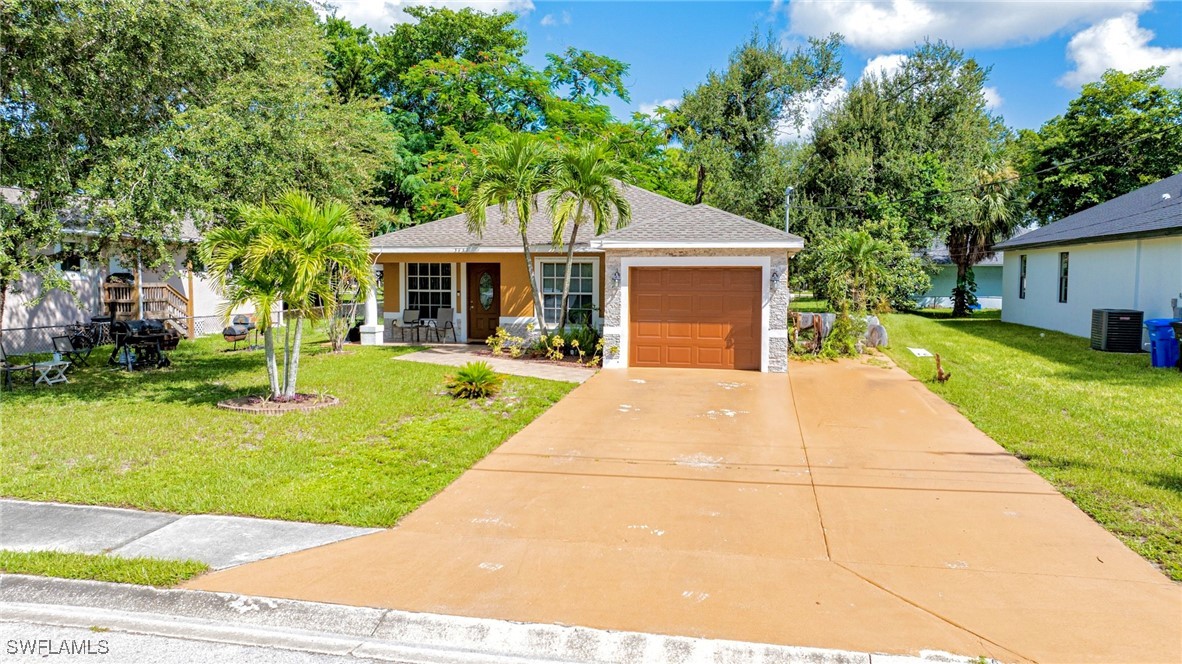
<point>480,291</point>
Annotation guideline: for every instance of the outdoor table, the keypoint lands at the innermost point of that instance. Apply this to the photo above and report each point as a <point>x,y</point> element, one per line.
<point>52,373</point>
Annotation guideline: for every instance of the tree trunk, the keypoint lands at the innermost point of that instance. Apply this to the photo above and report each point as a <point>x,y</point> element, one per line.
<point>534,286</point>
<point>287,354</point>
<point>272,369</point>
<point>700,191</point>
<point>3,301</point>
<point>570,262</point>
<point>960,305</point>
<point>294,357</point>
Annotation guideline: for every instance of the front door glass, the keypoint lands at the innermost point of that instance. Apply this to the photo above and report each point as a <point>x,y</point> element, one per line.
<point>486,291</point>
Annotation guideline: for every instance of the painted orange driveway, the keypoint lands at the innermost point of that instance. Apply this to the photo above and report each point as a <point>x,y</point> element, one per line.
<point>845,507</point>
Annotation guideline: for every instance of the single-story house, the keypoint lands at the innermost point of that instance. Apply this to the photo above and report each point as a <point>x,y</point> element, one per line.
<point>173,292</point>
<point>986,273</point>
<point>1122,254</point>
<point>680,286</point>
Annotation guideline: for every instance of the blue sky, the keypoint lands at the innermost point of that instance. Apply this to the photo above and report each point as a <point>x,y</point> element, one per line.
<point>1040,52</point>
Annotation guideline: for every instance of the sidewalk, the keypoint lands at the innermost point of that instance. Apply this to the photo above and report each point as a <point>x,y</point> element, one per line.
<point>458,355</point>
<point>218,541</point>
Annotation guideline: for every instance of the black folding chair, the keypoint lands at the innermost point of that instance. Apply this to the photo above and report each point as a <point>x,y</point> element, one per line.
<point>10,369</point>
<point>70,352</point>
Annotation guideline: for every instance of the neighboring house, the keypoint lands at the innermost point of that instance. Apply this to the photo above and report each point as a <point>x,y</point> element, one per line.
<point>680,286</point>
<point>986,273</point>
<point>175,292</point>
<point>1122,254</point>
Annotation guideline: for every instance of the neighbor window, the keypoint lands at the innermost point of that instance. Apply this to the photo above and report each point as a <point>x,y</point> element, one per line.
<point>428,287</point>
<point>1022,277</point>
<point>582,288</point>
<point>1063,276</point>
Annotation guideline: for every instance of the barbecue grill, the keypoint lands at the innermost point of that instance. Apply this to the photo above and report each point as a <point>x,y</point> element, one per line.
<point>141,344</point>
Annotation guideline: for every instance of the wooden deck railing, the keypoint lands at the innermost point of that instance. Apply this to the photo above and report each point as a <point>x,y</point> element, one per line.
<point>161,302</point>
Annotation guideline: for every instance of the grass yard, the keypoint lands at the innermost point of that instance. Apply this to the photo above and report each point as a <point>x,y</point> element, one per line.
<point>1104,428</point>
<point>808,303</point>
<point>142,571</point>
<point>155,440</point>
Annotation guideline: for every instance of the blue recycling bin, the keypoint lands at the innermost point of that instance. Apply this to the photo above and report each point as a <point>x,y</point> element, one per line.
<point>1163,345</point>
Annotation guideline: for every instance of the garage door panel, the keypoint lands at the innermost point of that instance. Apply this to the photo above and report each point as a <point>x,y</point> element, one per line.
<point>695,317</point>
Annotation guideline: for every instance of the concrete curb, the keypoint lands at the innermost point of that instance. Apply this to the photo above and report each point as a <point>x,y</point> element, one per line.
<point>379,634</point>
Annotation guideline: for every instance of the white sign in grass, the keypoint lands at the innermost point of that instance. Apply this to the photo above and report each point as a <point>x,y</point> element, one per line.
<point>919,352</point>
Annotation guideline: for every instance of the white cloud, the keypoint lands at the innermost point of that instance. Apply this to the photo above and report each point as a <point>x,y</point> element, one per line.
<point>788,131</point>
<point>1119,43</point>
<point>884,66</point>
<point>650,108</point>
<point>381,14</point>
<point>881,25</point>
<point>551,20</point>
<point>993,98</point>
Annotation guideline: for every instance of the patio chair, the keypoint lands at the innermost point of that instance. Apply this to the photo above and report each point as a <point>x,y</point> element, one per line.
<point>409,321</point>
<point>10,369</point>
<point>70,352</point>
<point>444,321</point>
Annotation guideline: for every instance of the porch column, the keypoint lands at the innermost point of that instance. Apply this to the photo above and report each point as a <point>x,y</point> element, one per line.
<point>372,331</point>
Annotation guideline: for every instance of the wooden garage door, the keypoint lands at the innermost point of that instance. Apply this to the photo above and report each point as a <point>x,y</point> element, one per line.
<point>705,317</point>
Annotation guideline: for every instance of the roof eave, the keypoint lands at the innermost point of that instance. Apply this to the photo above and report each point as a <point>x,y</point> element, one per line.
<point>1095,239</point>
<point>786,244</point>
<point>477,249</point>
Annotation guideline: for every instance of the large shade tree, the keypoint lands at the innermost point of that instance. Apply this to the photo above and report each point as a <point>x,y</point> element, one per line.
<point>584,188</point>
<point>289,251</point>
<point>510,174</point>
<point>1121,133</point>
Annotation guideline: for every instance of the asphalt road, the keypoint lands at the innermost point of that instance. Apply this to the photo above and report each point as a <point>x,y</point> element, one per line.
<point>45,643</point>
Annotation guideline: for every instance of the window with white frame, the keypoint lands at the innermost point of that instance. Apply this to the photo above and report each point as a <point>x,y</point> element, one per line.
<point>428,287</point>
<point>582,291</point>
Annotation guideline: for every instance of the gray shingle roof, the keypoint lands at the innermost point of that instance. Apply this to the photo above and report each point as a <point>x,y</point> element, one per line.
<point>1154,209</point>
<point>699,225</point>
<point>452,232</point>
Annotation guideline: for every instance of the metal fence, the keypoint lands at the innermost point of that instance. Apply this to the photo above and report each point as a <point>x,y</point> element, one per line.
<point>39,340</point>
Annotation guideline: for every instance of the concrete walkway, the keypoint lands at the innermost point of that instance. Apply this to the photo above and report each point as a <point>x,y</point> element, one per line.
<point>218,541</point>
<point>458,355</point>
<point>845,507</point>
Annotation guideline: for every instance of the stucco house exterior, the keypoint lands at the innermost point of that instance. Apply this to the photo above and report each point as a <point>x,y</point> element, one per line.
<point>1122,254</point>
<point>986,273</point>
<point>680,286</point>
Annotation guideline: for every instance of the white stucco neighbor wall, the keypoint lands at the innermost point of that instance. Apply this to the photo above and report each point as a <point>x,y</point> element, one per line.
<point>1130,274</point>
<point>775,298</point>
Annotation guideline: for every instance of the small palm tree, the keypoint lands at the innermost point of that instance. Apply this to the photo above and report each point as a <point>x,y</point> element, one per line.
<point>510,174</point>
<point>853,262</point>
<point>288,252</point>
<point>585,180</point>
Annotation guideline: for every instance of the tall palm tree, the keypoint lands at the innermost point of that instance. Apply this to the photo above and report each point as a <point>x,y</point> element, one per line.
<point>289,251</point>
<point>971,240</point>
<point>510,174</point>
<point>584,180</point>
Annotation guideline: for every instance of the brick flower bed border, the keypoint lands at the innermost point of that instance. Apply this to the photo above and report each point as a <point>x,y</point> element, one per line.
<point>263,406</point>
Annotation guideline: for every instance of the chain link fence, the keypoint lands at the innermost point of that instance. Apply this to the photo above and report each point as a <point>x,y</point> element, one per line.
<point>39,340</point>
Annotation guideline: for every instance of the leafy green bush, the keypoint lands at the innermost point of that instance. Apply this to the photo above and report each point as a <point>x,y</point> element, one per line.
<point>843,338</point>
<point>474,380</point>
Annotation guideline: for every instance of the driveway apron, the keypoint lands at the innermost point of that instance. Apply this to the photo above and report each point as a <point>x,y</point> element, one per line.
<point>844,507</point>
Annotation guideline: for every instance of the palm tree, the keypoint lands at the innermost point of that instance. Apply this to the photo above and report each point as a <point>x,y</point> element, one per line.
<point>970,241</point>
<point>584,179</point>
<point>510,174</point>
<point>854,263</point>
<point>289,252</point>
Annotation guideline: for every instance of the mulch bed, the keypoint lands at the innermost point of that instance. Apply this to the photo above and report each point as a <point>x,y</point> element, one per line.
<point>267,406</point>
<point>567,360</point>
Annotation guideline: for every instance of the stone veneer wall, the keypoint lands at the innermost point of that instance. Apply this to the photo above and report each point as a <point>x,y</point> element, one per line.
<point>777,314</point>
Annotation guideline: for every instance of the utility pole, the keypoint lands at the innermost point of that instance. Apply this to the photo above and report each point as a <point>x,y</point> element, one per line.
<point>787,209</point>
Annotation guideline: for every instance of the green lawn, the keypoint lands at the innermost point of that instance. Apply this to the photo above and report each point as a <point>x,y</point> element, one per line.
<point>808,303</point>
<point>143,571</point>
<point>154,440</point>
<point>1104,428</point>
